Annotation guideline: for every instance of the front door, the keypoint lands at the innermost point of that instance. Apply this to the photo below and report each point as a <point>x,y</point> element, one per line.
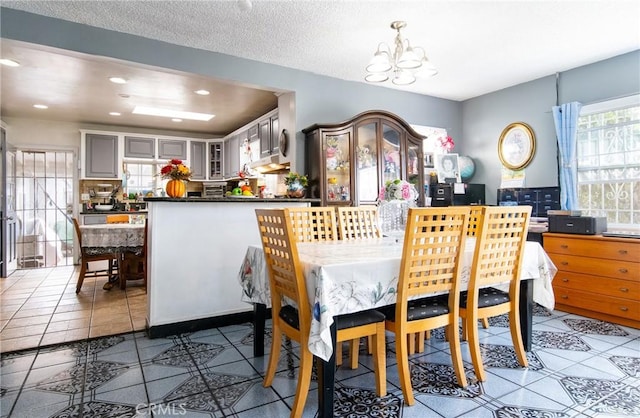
<point>8,218</point>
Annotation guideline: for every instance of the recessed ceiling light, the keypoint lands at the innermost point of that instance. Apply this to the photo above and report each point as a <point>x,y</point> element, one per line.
<point>115,113</point>
<point>153,111</point>
<point>40,106</point>
<point>176,120</point>
<point>9,63</point>
<point>118,80</point>
<point>202,92</point>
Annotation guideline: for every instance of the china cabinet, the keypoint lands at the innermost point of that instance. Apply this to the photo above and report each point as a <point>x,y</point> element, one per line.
<point>349,162</point>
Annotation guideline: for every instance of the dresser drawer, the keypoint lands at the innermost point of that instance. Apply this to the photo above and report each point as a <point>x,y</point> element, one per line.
<point>593,247</point>
<point>626,308</point>
<point>598,267</point>
<point>624,289</point>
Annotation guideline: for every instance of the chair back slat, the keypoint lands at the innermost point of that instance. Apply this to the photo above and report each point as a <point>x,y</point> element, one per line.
<point>358,222</point>
<point>475,216</point>
<point>500,245</point>
<point>311,224</point>
<point>434,240</point>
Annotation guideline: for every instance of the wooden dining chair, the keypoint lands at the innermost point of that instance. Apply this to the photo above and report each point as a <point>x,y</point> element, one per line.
<point>287,283</point>
<point>135,264</point>
<point>475,218</point>
<point>431,263</point>
<point>497,258</point>
<point>314,223</point>
<point>86,258</point>
<point>118,219</point>
<point>358,222</point>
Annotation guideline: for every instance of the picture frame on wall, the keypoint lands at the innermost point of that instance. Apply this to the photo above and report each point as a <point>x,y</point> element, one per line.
<point>448,168</point>
<point>516,146</point>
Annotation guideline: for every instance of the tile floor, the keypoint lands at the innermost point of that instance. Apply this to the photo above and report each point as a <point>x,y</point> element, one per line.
<point>579,367</point>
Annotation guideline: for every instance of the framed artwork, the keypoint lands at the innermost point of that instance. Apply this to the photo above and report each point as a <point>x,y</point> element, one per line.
<point>516,146</point>
<point>447,166</point>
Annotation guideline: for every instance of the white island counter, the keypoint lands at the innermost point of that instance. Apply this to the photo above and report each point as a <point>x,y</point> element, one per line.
<point>195,250</point>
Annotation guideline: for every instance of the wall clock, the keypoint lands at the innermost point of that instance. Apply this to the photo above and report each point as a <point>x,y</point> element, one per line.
<point>516,146</point>
<point>283,142</point>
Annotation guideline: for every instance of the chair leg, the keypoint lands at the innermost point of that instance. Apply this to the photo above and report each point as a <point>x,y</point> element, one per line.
<point>456,354</point>
<point>339,354</point>
<point>380,359</point>
<point>411,340</point>
<point>276,344</point>
<point>83,271</point>
<point>353,352</point>
<point>485,323</point>
<point>474,346</point>
<point>404,375</point>
<point>516,337</point>
<point>420,342</point>
<point>304,381</point>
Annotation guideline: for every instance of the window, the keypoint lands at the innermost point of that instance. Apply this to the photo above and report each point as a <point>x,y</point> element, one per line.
<point>142,178</point>
<point>608,153</point>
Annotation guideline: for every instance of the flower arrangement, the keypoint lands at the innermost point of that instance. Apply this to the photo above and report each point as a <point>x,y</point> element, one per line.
<point>175,170</point>
<point>446,143</point>
<point>294,177</point>
<point>398,190</point>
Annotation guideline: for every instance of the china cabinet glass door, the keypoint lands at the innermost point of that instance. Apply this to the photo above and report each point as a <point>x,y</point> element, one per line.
<point>391,154</point>
<point>367,162</point>
<point>336,151</point>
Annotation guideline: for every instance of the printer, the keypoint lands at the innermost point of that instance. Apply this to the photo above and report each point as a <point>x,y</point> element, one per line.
<point>585,225</point>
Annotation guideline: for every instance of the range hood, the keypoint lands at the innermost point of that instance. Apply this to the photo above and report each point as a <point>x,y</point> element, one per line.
<point>270,165</point>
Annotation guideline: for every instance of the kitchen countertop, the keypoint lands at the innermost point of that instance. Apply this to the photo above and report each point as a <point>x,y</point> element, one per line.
<point>226,199</point>
<point>113,212</point>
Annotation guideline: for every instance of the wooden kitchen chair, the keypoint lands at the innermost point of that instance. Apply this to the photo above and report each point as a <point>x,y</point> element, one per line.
<point>135,264</point>
<point>358,222</point>
<point>500,242</point>
<point>431,263</point>
<point>314,223</point>
<point>475,218</point>
<point>86,258</point>
<point>287,282</point>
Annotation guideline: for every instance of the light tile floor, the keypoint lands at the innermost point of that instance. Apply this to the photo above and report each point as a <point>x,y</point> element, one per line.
<point>579,367</point>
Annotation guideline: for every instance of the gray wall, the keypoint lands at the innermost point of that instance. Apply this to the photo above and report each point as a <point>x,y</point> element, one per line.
<point>475,124</point>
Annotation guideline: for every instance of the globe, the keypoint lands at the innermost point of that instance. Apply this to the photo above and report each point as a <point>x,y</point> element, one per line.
<point>467,167</point>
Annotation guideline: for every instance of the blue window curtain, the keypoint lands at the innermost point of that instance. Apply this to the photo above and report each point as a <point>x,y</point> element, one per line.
<point>565,118</point>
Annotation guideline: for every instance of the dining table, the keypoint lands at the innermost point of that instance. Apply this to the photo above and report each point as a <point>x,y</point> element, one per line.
<point>350,276</point>
<point>116,238</point>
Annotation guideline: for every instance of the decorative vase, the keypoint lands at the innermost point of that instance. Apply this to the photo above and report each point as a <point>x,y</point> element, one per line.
<point>392,215</point>
<point>295,190</point>
<point>176,188</point>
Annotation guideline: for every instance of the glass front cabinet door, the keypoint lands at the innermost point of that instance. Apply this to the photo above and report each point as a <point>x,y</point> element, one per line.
<point>349,162</point>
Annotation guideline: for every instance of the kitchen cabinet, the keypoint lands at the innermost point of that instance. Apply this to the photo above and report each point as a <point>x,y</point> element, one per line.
<point>172,148</point>
<point>598,276</point>
<point>349,162</point>
<point>139,147</point>
<point>198,160</point>
<point>232,154</point>
<point>100,156</point>
<point>269,135</point>
<point>216,159</point>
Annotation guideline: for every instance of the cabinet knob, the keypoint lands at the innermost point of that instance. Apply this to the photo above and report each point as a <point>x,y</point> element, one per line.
<point>624,308</point>
<point>564,246</point>
<point>564,263</point>
<point>564,297</point>
<point>623,270</point>
<point>565,280</point>
<point>622,252</point>
<point>624,289</point>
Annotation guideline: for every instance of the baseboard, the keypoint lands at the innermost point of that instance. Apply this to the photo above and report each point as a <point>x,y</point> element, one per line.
<point>159,331</point>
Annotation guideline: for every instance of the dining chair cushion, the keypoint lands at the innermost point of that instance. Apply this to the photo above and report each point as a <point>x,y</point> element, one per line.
<point>289,314</point>
<point>487,296</point>
<point>421,308</point>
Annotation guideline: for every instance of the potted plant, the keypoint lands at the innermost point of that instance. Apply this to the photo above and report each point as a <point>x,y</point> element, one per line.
<point>296,184</point>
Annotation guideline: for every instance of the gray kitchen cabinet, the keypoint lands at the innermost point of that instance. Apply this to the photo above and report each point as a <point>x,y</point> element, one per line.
<point>216,160</point>
<point>139,147</point>
<point>101,156</point>
<point>172,148</point>
<point>198,160</point>
<point>269,135</point>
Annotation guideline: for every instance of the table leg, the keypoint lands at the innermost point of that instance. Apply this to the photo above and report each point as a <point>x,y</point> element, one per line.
<point>259,319</point>
<point>526,312</point>
<point>326,380</point>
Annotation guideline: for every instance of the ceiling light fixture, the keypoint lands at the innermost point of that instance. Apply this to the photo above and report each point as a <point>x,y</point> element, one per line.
<point>115,113</point>
<point>202,92</point>
<point>118,80</point>
<point>402,63</point>
<point>9,63</point>
<point>40,106</point>
<point>176,120</point>
<point>166,113</point>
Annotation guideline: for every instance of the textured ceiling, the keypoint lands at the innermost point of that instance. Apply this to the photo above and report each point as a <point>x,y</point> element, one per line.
<point>478,46</point>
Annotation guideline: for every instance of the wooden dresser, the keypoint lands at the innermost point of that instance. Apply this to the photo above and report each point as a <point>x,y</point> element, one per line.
<point>598,276</point>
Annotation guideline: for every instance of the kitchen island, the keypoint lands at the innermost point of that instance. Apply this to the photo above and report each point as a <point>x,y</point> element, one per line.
<point>194,249</point>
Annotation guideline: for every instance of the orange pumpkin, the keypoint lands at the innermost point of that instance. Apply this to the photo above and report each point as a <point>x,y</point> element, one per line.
<point>176,188</point>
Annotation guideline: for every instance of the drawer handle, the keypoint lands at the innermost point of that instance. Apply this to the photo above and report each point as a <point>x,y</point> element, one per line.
<point>623,270</point>
<point>564,246</point>
<point>564,297</point>
<point>564,263</point>
<point>565,280</point>
<point>622,252</point>
<point>624,289</point>
<point>624,308</point>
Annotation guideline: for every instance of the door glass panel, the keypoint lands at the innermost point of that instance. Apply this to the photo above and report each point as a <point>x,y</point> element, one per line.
<point>413,166</point>
<point>391,152</point>
<point>336,151</point>
<point>367,163</point>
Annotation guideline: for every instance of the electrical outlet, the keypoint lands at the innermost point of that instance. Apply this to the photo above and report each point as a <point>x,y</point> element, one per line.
<point>85,196</point>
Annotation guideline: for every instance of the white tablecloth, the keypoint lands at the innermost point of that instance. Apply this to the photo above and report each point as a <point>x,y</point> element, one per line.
<point>349,276</point>
<point>113,238</point>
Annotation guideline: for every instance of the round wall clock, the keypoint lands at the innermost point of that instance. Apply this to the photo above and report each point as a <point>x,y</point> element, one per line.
<point>283,142</point>
<point>516,146</point>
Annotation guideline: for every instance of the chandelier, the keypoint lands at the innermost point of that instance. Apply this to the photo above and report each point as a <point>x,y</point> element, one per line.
<point>403,63</point>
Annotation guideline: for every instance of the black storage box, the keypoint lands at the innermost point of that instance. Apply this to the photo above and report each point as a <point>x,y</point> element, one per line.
<point>585,225</point>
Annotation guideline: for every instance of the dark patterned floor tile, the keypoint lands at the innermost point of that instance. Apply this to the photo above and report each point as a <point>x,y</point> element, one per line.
<point>97,409</point>
<point>539,310</point>
<point>440,379</point>
<point>623,402</point>
<point>79,377</point>
<point>587,392</point>
<point>559,340</point>
<point>188,354</point>
<point>629,365</point>
<point>517,412</point>
<point>505,356</point>
<point>593,326</point>
<point>355,403</point>
<point>499,321</point>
